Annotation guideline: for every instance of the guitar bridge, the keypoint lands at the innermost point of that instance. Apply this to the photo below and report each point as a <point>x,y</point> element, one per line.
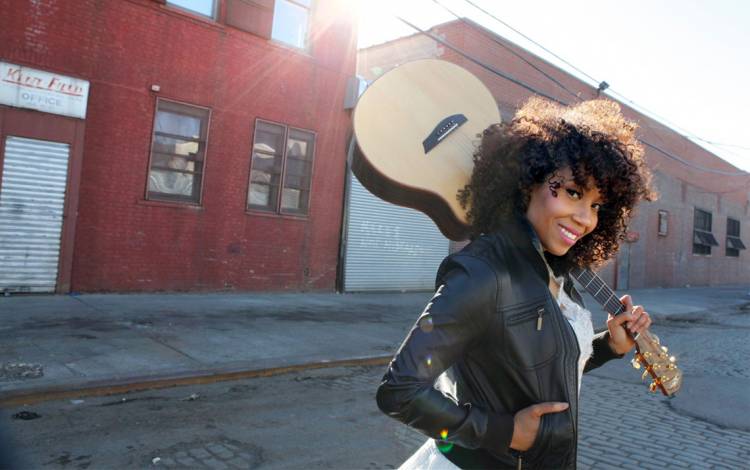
<point>442,130</point>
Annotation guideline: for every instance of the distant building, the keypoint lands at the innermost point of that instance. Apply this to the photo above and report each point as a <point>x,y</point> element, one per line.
<point>692,235</point>
<point>153,145</point>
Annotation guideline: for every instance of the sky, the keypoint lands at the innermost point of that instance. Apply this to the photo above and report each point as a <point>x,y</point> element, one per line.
<point>685,63</point>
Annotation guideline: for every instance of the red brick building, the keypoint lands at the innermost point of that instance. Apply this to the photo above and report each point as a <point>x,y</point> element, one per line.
<point>205,150</point>
<point>703,199</point>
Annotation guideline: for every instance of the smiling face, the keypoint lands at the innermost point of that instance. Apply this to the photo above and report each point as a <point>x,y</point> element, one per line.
<point>561,220</point>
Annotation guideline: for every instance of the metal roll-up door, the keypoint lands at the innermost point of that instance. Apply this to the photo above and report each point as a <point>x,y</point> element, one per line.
<point>32,197</point>
<point>388,247</point>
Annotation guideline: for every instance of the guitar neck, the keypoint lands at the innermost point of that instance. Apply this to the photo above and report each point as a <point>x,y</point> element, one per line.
<point>599,290</point>
<point>606,297</point>
<point>649,353</point>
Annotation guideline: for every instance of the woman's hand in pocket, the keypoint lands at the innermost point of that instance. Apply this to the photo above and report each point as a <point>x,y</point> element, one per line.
<point>526,423</point>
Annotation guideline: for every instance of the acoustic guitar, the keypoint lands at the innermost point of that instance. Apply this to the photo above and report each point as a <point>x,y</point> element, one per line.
<point>416,129</point>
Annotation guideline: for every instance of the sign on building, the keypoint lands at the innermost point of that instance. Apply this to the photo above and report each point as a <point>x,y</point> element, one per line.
<point>24,87</point>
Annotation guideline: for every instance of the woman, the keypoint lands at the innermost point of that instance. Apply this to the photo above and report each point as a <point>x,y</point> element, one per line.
<point>492,367</point>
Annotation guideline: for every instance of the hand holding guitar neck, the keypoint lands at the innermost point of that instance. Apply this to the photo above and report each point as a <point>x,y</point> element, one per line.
<point>650,354</point>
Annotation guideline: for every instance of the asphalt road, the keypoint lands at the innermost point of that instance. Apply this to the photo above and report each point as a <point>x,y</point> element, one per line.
<point>327,418</point>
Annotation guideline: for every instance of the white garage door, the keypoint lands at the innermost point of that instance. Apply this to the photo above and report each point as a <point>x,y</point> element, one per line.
<point>32,197</point>
<point>388,247</point>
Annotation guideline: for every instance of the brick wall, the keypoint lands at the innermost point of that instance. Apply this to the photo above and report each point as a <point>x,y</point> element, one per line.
<point>126,243</point>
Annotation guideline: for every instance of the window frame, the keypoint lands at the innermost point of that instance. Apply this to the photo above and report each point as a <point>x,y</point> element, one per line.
<point>276,209</point>
<point>307,46</point>
<point>166,197</point>
<point>214,9</point>
<point>732,249</point>
<point>662,228</point>
<point>705,236</point>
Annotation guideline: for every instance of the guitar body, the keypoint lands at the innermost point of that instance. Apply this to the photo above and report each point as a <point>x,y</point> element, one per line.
<point>416,129</point>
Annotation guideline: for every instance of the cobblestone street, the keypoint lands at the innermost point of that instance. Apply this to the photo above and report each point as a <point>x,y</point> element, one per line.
<point>327,418</point>
<point>622,426</point>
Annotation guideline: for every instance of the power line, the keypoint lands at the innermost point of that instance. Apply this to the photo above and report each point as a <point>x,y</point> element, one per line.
<point>686,133</point>
<point>532,41</point>
<point>519,56</point>
<point>479,62</point>
<point>540,93</point>
<point>691,164</point>
<point>721,144</point>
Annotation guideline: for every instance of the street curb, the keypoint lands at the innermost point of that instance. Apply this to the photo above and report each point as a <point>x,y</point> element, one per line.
<point>105,387</point>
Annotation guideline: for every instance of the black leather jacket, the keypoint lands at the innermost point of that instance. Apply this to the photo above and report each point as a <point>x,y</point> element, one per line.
<point>492,341</point>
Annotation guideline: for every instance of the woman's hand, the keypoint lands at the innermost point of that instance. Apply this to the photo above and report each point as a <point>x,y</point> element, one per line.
<point>526,423</point>
<point>634,319</point>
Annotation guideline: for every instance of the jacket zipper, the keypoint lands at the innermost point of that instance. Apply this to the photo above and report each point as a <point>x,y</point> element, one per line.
<point>574,394</point>
<point>519,458</point>
<point>520,318</point>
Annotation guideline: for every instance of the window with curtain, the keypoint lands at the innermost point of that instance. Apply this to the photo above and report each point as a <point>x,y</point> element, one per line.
<point>291,21</point>
<point>281,169</point>
<point>177,152</point>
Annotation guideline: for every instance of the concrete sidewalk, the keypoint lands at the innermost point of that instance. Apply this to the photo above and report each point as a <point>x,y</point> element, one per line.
<point>67,346</point>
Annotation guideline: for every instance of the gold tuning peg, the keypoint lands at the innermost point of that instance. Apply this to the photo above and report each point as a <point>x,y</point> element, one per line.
<point>664,349</point>
<point>645,374</point>
<point>636,363</point>
<point>652,387</point>
<point>672,359</point>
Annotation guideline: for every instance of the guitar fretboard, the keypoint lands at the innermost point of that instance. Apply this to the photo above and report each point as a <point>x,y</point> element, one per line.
<point>598,289</point>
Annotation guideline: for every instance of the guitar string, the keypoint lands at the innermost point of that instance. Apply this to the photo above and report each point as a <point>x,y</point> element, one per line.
<point>649,343</point>
<point>599,290</point>
<point>581,276</point>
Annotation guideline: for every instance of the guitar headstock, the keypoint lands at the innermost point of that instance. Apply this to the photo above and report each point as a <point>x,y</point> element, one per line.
<point>657,363</point>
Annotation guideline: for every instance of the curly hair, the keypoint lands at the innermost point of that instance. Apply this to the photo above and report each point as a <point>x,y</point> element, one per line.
<point>592,138</point>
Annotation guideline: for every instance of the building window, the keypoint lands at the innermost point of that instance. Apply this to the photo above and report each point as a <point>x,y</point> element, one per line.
<point>734,244</point>
<point>703,239</point>
<point>281,169</point>
<point>177,152</point>
<point>202,7</point>
<point>663,223</point>
<point>291,19</point>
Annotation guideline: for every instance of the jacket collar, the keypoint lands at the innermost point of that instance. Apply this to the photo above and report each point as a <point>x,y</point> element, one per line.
<point>523,233</point>
<point>524,237</point>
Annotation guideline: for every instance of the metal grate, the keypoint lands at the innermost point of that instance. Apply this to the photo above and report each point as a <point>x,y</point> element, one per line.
<point>32,198</point>
<point>389,248</point>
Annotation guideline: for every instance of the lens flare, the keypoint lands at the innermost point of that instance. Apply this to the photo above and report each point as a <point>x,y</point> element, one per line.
<point>442,446</point>
<point>425,324</point>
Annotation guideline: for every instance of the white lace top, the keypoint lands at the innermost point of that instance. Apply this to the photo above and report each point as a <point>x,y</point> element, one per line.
<point>580,319</point>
